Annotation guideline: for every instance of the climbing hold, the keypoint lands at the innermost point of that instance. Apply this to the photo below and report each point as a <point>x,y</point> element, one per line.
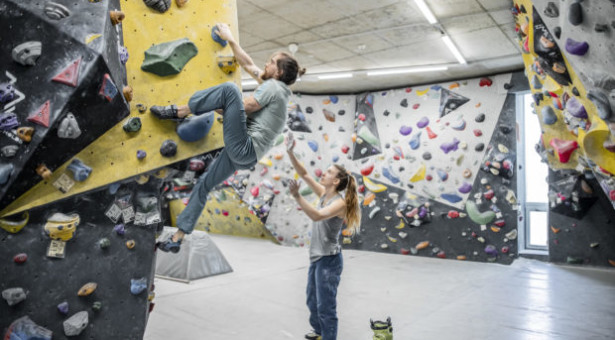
<point>422,245</point>
<point>138,285</point>
<point>20,258</point>
<point>478,217</point>
<point>459,125</point>
<point>81,172</point>
<point>388,173</point>
<point>87,289</point>
<point>419,175</point>
<point>104,243</point>
<point>330,116</point>
<point>415,141</point>
<point>367,170</point>
<point>480,118</point>
<point>141,154</point>
<point>491,250</point>
<point>450,146</point>
<point>60,226</point>
<point>228,64</point>
<point>181,3</point>
<point>27,53</point>
<point>120,229</point>
<point>43,171</point>
<point>369,198</point>
<point>130,244</point>
<point>548,115</point>
<point>97,306</point>
<point>169,58</point>
<point>141,108</point>
<point>574,260</point>
<point>551,11</point>
<point>601,100</point>
<point>404,103</point>
<point>576,47</point>
<point>405,130</point>
<point>14,296</point>
<point>536,84</point>
<point>333,99</point>
<point>489,194</point>
<point>55,11</point>
<point>108,89</point>
<point>132,124</point>
<point>41,115</point>
<point>313,145</point>
<point>600,28</point>
<point>254,191</point>
<point>216,37</point>
<point>373,187</point>
<point>345,149</point>
<point>70,74</point>
<point>63,308</point>
<point>69,128</point>
<point>575,108</point>
<point>14,225</point>
<point>158,5</point>
<point>127,92</point>
<point>451,101</point>
<point>8,121</point>
<point>575,13</point>
<point>430,133</point>
<point>452,198</point>
<point>195,127</point>
<point>374,212</point>
<point>6,170</point>
<point>465,188</point>
<point>442,174</point>
<point>368,136</point>
<point>423,122</point>
<point>485,82</point>
<point>421,93</point>
<point>76,324</point>
<point>563,148</point>
<point>122,52</point>
<point>116,17</point>
<point>426,155</point>
<point>168,148</point>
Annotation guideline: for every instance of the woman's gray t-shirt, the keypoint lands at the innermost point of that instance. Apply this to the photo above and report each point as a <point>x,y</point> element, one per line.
<point>325,234</point>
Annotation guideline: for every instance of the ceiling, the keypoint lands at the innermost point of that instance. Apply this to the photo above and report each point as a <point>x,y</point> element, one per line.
<point>359,35</point>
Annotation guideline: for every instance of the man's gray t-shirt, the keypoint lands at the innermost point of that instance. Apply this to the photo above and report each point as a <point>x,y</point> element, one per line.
<point>325,234</point>
<point>267,123</point>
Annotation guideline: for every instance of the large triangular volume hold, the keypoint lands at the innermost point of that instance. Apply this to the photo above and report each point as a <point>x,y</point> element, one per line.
<point>41,116</point>
<point>70,75</point>
<point>450,101</point>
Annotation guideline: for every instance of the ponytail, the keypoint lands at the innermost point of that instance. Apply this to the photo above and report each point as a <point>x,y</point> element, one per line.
<point>353,211</point>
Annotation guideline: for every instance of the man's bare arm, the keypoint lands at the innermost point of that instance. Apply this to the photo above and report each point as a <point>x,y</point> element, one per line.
<point>243,59</point>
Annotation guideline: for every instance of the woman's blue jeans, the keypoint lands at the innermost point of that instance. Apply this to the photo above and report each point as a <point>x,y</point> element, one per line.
<point>238,152</point>
<point>323,279</point>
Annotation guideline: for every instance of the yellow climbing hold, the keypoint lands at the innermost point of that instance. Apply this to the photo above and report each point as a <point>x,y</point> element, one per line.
<point>14,226</point>
<point>419,175</point>
<point>495,229</point>
<point>91,37</point>
<point>373,187</point>
<point>422,92</point>
<point>551,85</point>
<point>392,239</point>
<point>401,225</point>
<point>266,162</point>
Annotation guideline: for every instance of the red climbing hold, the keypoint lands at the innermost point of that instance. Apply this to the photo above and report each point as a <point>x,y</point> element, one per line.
<point>453,214</point>
<point>485,82</point>
<point>41,116</point>
<point>416,106</point>
<point>405,251</point>
<point>430,133</point>
<point>361,188</point>
<point>367,170</point>
<point>408,89</point>
<point>489,194</point>
<point>70,75</point>
<point>478,132</point>
<point>224,212</point>
<point>345,149</point>
<point>361,117</point>
<point>500,223</point>
<point>20,258</point>
<point>254,191</point>
<point>612,195</point>
<point>563,148</point>
<point>441,254</point>
<point>317,173</point>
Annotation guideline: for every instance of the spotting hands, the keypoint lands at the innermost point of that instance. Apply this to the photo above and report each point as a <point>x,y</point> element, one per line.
<point>293,187</point>
<point>290,142</point>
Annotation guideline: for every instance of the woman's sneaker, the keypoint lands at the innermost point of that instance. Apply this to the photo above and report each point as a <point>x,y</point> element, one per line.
<point>168,112</point>
<point>313,336</point>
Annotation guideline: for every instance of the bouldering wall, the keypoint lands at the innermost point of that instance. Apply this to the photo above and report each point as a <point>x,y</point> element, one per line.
<point>566,49</point>
<point>435,165</point>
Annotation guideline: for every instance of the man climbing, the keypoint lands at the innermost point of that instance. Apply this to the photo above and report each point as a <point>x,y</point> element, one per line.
<point>246,139</point>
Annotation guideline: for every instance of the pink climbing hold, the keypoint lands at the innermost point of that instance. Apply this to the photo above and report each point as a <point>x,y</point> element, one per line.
<point>224,212</point>
<point>563,148</point>
<point>485,82</point>
<point>254,191</point>
<point>430,133</point>
<point>361,117</point>
<point>429,177</point>
<point>361,188</point>
<point>416,106</point>
<point>264,171</point>
<point>408,89</point>
<point>478,132</point>
<point>318,173</point>
<point>612,195</point>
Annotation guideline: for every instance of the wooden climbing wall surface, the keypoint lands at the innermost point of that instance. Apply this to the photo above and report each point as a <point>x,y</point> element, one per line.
<point>113,156</point>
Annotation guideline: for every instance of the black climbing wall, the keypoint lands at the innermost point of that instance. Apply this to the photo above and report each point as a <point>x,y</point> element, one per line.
<point>51,281</point>
<point>63,41</point>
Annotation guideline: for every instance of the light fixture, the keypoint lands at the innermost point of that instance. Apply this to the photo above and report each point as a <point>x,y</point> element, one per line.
<point>335,75</point>
<point>293,48</point>
<point>407,70</point>
<point>426,11</point>
<point>449,43</point>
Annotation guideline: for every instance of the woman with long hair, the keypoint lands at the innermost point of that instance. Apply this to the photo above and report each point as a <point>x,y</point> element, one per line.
<point>338,202</point>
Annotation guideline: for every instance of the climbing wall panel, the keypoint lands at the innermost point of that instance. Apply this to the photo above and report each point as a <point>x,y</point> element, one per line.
<point>113,156</point>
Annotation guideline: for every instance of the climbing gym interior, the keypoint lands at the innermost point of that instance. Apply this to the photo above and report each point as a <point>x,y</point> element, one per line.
<point>480,135</point>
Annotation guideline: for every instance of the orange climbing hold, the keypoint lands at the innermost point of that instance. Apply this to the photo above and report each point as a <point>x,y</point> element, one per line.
<point>369,198</point>
<point>555,230</point>
<point>87,289</point>
<point>422,245</point>
<point>612,263</point>
<point>461,257</point>
<point>430,133</point>
<point>278,156</point>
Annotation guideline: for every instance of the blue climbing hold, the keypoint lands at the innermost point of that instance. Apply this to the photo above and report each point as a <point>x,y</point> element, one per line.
<point>415,141</point>
<point>216,37</point>
<point>436,87</point>
<point>335,158</point>
<point>81,172</point>
<point>442,174</point>
<point>453,198</point>
<point>333,99</point>
<point>5,173</point>
<point>194,128</point>
<point>388,173</point>
<point>548,115</point>
<point>138,285</point>
<point>313,145</point>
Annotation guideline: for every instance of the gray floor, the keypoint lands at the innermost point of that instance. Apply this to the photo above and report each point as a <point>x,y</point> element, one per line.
<point>263,298</point>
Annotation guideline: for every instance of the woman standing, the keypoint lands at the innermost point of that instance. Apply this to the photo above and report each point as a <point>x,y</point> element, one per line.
<point>326,262</point>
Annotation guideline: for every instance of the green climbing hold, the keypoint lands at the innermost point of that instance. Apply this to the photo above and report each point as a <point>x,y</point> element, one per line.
<point>168,58</point>
<point>368,136</point>
<point>305,191</point>
<point>133,124</point>
<point>478,217</point>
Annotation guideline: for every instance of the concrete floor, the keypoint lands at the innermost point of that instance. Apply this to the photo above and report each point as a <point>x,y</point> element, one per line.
<point>263,298</point>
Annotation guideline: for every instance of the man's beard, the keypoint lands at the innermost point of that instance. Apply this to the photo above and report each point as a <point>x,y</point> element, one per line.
<point>266,76</point>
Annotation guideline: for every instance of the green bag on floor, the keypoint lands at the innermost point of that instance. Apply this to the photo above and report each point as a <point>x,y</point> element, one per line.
<point>382,330</point>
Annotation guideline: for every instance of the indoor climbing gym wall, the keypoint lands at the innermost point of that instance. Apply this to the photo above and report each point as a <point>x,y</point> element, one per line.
<point>566,48</point>
<point>83,165</point>
<point>435,165</point>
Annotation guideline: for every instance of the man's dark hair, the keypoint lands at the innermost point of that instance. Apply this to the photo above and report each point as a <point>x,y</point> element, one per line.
<point>289,67</point>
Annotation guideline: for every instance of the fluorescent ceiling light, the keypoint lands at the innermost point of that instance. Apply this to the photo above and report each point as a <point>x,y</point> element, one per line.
<point>453,48</point>
<point>248,82</point>
<point>426,11</point>
<point>407,70</point>
<point>335,76</point>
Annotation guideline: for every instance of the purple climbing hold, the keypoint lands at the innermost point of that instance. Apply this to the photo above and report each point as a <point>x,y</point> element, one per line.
<point>453,198</point>
<point>423,122</point>
<point>575,13</point>
<point>313,145</point>
<point>415,141</point>
<point>63,308</point>
<point>8,121</point>
<point>119,229</point>
<point>442,174</point>
<point>491,250</point>
<point>123,53</point>
<point>423,212</point>
<point>405,130</point>
<point>7,92</point>
<point>465,188</point>
<point>576,47</point>
<point>141,154</point>
<point>575,108</point>
<point>450,146</point>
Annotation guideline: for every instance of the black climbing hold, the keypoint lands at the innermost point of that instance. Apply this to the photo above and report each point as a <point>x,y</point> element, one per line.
<point>386,113</point>
<point>168,148</point>
<point>508,86</point>
<point>158,5</point>
<point>312,163</point>
<point>557,31</point>
<point>575,91</point>
<point>341,112</point>
<point>401,169</point>
<point>505,129</point>
<point>387,145</point>
<point>601,28</point>
<point>479,147</point>
<point>538,97</point>
<point>522,9</point>
<point>341,129</point>
<point>575,14</point>
<point>427,156</point>
<point>320,128</point>
<point>551,11</point>
<point>404,103</point>
<point>480,118</point>
<point>309,109</point>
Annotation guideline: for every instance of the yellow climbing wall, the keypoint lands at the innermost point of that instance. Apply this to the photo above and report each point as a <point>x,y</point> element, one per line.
<point>590,143</point>
<point>225,213</point>
<point>113,156</point>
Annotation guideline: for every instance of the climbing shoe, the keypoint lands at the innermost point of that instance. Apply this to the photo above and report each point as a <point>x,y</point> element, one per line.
<point>313,336</point>
<point>168,112</point>
<point>169,245</point>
